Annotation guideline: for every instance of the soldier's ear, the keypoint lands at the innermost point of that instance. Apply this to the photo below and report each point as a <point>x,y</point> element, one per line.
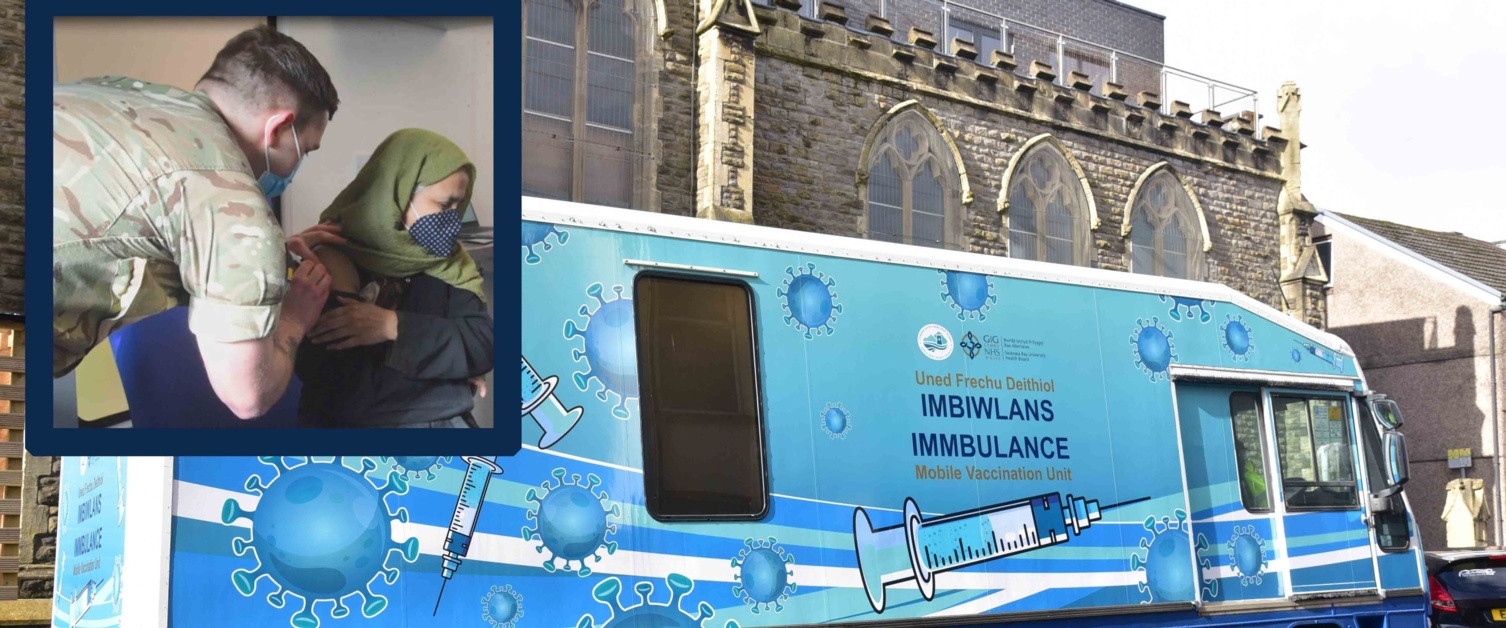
<point>279,123</point>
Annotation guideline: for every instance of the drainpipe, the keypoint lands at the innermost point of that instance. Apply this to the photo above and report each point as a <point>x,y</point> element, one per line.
<point>1495,416</point>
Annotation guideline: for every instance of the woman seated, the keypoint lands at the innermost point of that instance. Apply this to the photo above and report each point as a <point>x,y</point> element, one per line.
<point>406,333</point>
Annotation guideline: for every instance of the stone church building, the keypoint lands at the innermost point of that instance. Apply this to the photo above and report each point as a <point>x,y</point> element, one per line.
<point>1035,129</point>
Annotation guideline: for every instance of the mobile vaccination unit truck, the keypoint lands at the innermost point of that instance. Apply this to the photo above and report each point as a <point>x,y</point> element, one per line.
<point>727,425</point>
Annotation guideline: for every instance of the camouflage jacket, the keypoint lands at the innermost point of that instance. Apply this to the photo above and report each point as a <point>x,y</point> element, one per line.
<point>154,206</point>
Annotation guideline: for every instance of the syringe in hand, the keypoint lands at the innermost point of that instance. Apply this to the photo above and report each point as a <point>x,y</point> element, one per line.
<point>457,542</point>
<point>552,417</point>
<point>918,549</point>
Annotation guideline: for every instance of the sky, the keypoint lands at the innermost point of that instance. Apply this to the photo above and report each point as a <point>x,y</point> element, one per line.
<point>1403,103</point>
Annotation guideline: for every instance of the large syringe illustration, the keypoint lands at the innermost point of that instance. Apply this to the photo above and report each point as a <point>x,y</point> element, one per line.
<point>457,542</point>
<point>1322,354</point>
<point>552,416</point>
<point>918,549</point>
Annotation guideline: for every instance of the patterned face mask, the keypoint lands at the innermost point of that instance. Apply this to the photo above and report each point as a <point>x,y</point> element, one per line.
<point>437,232</point>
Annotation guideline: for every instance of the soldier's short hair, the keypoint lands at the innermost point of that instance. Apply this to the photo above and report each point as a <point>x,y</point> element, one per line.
<point>269,68</point>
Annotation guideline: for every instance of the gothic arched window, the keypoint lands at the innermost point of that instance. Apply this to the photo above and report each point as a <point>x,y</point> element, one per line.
<point>585,117</point>
<point>912,193</point>
<point>1050,213</point>
<point>1166,228</point>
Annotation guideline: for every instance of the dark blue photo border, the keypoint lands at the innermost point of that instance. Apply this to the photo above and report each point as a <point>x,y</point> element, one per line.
<point>504,439</point>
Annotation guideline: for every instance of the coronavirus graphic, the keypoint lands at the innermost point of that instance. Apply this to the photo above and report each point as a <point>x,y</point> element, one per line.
<point>570,520</point>
<point>321,531</point>
<point>536,236</point>
<point>970,294</point>
<point>1183,307</point>
<point>118,599</point>
<point>765,572</point>
<point>1151,344</point>
<point>1247,555</point>
<point>609,348</point>
<point>1237,338</point>
<point>502,607</point>
<point>646,614</point>
<point>1168,560</point>
<point>810,300</point>
<point>835,420</point>
<point>415,466</point>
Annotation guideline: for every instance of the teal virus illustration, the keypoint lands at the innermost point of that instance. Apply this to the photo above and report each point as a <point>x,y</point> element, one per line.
<point>810,301</point>
<point>118,599</point>
<point>835,420</point>
<point>609,348</point>
<point>1152,347</point>
<point>1247,555</point>
<point>502,607</point>
<point>1184,307</point>
<point>415,466</point>
<point>1167,561</point>
<point>646,614</point>
<point>536,236</point>
<point>320,531</point>
<point>970,294</point>
<point>1237,338</point>
<point>765,572</point>
<point>571,521</point>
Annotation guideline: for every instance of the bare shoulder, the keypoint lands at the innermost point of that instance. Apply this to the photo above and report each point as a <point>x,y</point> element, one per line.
<point>344,275</point>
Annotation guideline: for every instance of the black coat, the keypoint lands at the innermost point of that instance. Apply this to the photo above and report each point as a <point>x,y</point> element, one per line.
<point>444,337</point>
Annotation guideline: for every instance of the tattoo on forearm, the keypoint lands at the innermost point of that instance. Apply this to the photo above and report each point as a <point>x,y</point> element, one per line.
<point>289,345</point>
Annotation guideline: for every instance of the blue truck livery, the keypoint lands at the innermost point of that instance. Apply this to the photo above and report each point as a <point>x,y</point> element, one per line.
<point>728,425</point>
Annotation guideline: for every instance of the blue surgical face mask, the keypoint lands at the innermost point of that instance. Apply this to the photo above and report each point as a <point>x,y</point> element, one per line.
<point>272,184</point>
<point>437,232</point>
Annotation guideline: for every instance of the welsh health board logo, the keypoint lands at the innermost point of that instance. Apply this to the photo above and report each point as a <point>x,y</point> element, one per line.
<point>935,341</point>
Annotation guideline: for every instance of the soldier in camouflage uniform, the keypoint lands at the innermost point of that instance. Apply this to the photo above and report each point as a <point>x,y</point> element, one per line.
<point>160,199</point>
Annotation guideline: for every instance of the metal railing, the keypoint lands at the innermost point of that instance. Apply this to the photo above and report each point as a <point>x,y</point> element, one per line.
<point>988,30</point>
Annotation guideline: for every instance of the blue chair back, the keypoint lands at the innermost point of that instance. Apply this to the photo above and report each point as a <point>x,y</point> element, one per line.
<point>166,384</point>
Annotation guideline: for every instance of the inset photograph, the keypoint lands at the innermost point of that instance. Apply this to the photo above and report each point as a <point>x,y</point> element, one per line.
<point>272,222</point>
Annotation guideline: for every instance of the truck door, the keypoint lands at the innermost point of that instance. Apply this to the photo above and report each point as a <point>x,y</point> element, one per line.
<point>1326,535</point>
<point>1231,491</point>
<point>1398,557</point>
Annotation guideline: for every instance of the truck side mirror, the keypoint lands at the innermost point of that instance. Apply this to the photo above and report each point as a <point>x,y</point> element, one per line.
<point>1395,447</point>
<point>1388,412</point>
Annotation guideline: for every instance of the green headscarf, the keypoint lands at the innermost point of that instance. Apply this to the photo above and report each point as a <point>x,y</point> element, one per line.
<point>370,210</point>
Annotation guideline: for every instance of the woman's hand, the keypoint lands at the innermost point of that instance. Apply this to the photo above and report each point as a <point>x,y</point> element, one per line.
<point>355,324</point>
<point>478,386</point>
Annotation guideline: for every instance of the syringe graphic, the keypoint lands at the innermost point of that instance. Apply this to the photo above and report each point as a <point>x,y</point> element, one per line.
<point>1323,354</point>
<point>552,417</point>
<point>918,549</point>
<point>478,475</point>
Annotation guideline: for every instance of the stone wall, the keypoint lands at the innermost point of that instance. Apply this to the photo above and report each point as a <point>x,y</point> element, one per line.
<point>39,526</point>
<point>821,87</point>
<point>675,152</point>
<point>12,152</point>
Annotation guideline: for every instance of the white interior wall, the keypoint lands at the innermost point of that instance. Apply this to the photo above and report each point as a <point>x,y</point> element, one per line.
<point>393,74</point>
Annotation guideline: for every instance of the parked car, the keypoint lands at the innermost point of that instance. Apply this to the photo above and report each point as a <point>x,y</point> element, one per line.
<point>1467,588</point>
